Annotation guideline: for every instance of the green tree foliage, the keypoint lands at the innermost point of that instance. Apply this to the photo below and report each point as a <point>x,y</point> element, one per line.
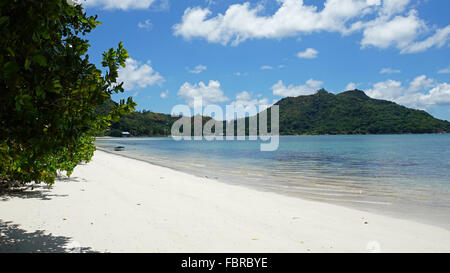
<point>143,123</point>
<point>49,90</point>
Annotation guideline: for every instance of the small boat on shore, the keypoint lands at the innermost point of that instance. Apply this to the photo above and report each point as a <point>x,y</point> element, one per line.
<point>119,148</point>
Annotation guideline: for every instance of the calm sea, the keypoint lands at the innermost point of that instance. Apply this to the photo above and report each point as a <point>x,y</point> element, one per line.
<point>402,175</point>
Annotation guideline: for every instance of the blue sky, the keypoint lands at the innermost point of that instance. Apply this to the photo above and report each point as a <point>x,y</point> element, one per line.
<point>257,52</point>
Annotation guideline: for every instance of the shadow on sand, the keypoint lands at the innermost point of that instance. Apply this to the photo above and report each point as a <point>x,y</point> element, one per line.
<point>16,240</point>
<point>40,191</point>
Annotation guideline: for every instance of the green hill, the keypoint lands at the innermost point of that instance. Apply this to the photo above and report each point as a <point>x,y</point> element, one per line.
<point>353,112</point>
<point>350,112</point>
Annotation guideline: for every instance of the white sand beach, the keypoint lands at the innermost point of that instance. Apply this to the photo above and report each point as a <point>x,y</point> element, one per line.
<point>117,204</point>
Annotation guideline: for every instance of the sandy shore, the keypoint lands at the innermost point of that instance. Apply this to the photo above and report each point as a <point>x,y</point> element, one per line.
<point>117,204</point>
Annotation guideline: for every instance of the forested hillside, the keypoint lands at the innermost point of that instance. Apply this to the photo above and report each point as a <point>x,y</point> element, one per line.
<point>350,112</point>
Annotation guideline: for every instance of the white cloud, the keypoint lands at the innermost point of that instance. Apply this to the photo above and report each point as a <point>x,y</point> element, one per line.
<point>266,67</point>
<point>210,93</point>
<point>421,93</point>
<point>310,87</point>
<point>245,99</point>
<point>146,24</point>
<point>240,74</point>
<point>119,4</point>
<point>389,71</point>
<point>439,39</point>
<point>198,69</point>
<point>420,83</point>
<point>247,102</point>
<point>439,95</point>
<point>351,86</point>
<point>164,94</point>
<point>138,75</point>
<point>388,90</point>
<point>309,53</point>
<point>445,70</point>
<point>242,21</point>
<point>401,31</point>
<point>393,6</point>
<point>383,23</point>
<point>160,5</point>
<point>269,67</point>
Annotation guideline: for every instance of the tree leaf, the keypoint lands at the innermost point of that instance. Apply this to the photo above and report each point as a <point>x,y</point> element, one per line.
<point>41,60</point>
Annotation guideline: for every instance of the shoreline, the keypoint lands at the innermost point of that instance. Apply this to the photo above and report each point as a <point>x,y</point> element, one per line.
<point>381,207</point>
<point>406,134</point>
<point>119,204</point>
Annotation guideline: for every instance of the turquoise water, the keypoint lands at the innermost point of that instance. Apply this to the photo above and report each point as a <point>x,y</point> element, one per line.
<point>404,175</point>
